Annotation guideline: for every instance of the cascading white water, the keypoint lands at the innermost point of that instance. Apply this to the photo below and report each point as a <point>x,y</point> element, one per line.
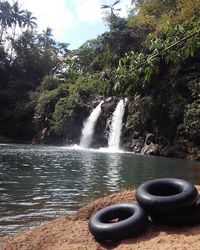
<point>116,126</point>
<point>88,127</point>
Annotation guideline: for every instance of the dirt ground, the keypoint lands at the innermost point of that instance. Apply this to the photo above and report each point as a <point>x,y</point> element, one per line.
<point>72,233</point>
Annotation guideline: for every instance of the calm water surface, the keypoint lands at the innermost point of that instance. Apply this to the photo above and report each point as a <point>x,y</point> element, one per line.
<point>37,183</point>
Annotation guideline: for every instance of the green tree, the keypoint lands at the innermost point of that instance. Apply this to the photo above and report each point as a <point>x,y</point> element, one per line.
<point>17,17</point>
<point>111,7</point>
<point>29,20</point>
<point>5,17</point>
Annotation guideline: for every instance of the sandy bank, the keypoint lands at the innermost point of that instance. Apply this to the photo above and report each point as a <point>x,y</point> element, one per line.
<point>72,233</point>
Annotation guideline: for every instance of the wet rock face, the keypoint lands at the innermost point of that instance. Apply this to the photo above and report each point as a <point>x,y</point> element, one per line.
<point>150,149</point>
<point>74,125</point>
<point>100,137</point>
<point>4,139</point>
<point>108,107</point>
<point>140,132</point>
<point>135,145</point>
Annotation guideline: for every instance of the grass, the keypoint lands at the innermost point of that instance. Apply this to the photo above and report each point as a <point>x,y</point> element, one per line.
<point>128,189</point>
<point>1,240</point>
<point>68,216</point>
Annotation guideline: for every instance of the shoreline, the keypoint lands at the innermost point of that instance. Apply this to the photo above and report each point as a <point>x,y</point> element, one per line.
<point>184,156</point>
<point>72,233</point>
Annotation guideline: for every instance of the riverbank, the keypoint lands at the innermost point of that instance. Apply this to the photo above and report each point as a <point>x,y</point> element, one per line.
<point>71,233</point>
<point>169,153</point>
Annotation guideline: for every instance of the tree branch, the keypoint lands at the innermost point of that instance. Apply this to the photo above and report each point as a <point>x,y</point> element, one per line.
<point>168,48</point>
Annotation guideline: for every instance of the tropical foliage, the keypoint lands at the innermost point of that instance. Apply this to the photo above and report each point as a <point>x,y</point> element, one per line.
<point>153,53</point>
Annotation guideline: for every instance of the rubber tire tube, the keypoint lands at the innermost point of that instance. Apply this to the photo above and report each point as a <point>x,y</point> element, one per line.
<point>166,195</point>
<point>190,216</point>
<point>132,219</point>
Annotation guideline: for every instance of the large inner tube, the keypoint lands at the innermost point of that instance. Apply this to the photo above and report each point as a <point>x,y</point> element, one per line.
<point>117,221</point>
<point>189,216</point>
<point>166,195</point>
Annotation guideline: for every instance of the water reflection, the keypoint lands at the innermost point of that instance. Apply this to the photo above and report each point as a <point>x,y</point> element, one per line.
<point>113,171</point>
<point>38,182</point>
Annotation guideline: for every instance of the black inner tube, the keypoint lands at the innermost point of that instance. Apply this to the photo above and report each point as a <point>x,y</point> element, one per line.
<point>116,215</point>
<point>164,189</point>
<point>185,217</point>
<point>118,221</point>
<point>166,195</point>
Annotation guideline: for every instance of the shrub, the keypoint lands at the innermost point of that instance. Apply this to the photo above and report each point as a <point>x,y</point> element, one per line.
<point>190,127</point>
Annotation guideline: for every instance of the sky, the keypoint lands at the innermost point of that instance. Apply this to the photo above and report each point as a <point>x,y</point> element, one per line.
<point>72,21</point>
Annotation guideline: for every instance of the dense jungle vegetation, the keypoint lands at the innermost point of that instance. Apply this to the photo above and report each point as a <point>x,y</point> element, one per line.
<point>152,57</point>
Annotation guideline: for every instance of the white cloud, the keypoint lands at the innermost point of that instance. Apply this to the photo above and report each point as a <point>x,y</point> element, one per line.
<point>60,16</point>
<point>51,14</point>
<point>88,11</point>
<point>125,6</point>
<point>67,17</point>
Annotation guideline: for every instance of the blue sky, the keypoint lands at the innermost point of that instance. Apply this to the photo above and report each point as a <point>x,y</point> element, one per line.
<point>72,21</point>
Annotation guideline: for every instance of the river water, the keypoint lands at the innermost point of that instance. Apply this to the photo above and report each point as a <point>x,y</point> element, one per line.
<point>38,183</point>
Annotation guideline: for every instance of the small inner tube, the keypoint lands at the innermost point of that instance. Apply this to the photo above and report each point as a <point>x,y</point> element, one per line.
<point>166,195</point>
<point>189,216</point>
<point>118,222</point>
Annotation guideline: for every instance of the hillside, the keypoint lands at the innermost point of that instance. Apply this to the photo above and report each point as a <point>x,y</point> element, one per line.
<point>152,57</point>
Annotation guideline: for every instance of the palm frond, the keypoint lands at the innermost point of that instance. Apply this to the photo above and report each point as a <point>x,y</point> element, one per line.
<point>116,2</point>
<point>103,6</point>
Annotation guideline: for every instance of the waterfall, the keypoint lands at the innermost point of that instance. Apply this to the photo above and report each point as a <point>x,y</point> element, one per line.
<point>116,126</point>
<point>88,127</point>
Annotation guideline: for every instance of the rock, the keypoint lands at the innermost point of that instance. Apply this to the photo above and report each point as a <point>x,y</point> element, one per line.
<point>137,145</point>
<point>44,133</point>
<point>108,108</point>
<point>136,135</point>
<point>148,139</point>
<point>109,99</point>
<point>4,139</point>
<point>151,149</point>
<point>167,151</point>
